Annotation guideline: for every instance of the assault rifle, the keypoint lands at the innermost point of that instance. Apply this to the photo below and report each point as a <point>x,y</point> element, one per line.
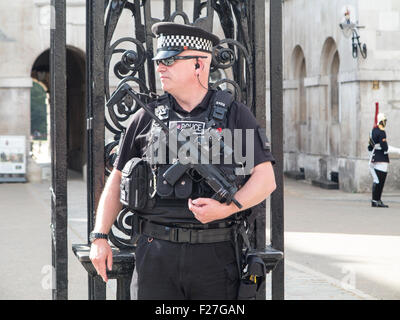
<point>224,188</point>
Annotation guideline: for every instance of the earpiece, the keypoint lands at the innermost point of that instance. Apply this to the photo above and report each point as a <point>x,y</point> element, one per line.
<point>197,66</point>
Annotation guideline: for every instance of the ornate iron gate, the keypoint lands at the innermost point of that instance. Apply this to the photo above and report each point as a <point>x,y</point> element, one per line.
<point>239,53</point>
<point>58,127</point>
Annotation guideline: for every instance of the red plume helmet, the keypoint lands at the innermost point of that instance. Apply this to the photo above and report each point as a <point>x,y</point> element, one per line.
<point>376,114</point>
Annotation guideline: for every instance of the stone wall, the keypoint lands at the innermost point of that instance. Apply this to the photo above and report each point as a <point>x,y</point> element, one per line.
<point>315,129</point>
<point>338,135</point>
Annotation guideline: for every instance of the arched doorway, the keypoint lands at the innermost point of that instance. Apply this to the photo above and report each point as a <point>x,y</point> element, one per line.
<point>76,111</point>
<point>299,74</point>
<point>40,112</point>
<point>330,65</point>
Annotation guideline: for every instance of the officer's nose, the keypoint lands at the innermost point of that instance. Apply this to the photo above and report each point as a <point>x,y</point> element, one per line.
<point>161,68</point>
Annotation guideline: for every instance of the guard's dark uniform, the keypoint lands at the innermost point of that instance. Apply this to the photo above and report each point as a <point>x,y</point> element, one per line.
<point>379,160</point>
<point>178,257</point>
<point>380,147</point>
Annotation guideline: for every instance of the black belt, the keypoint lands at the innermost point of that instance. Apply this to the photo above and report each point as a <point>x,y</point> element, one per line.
<point>182,235</point>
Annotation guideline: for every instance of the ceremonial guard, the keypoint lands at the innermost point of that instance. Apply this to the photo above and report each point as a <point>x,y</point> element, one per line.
<point>379,159</point>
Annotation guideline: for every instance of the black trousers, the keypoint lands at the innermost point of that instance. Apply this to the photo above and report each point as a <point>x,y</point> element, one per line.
<point>377,188</point>
<point>181,271</point>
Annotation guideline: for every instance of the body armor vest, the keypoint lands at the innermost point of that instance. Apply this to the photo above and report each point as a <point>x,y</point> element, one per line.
<point>166,203</point>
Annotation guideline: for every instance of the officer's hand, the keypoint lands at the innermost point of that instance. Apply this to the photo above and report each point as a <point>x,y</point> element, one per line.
<point>100,254</point>
<point>207,210</point>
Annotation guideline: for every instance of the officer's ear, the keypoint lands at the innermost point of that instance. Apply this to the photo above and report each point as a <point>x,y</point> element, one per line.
<point>198,67</point>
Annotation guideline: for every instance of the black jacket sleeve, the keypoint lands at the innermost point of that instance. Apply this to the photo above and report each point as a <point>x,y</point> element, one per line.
<point>245,120</point>
<point>383,142</point>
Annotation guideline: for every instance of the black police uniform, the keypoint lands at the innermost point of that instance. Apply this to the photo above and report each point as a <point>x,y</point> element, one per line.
<point>177,257</point>
<point>173,270</point>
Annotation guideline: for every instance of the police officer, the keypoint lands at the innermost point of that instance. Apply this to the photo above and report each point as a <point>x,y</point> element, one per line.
<point>185,249</point>
<point>379,159</point>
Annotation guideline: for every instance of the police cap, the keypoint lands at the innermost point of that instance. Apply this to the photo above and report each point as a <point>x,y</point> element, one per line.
<point>173,38</point>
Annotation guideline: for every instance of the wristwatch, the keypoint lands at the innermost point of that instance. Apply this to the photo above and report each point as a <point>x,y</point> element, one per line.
<point>97,235</point>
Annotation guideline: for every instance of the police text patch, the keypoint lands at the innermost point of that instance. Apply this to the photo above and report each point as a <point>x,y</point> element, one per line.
<point>196,126</point>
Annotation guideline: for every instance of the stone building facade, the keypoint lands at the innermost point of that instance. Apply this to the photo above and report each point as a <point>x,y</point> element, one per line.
<point>329,97</point>
<point>24,55</point>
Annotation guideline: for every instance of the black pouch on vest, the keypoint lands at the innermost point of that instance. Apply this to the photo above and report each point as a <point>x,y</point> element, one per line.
<point>164,189</point>
<point>183,187</point>
<point>135,184</point>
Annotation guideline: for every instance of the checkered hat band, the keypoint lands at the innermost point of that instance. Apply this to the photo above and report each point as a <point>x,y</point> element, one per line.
<point>175,41</point>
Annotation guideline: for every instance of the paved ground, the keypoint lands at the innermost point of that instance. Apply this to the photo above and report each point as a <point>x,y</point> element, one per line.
<point>337,247</point>
<point>340,239</point>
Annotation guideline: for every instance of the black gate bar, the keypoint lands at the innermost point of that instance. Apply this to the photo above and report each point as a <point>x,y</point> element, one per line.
<point>58,127</point>
<point>258,29</point>
<point>276,78</point>
<point>95,114</point>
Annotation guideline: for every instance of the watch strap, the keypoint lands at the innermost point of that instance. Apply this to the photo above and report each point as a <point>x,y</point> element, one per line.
<point>97,235</point>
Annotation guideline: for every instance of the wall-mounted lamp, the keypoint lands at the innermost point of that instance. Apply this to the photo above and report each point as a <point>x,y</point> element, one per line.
<point>350,28</point>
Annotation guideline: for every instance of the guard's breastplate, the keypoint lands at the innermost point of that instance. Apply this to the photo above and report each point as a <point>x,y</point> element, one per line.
<point>169,203</point>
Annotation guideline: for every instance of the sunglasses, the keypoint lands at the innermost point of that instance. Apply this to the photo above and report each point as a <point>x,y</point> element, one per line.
<point>170,61</point>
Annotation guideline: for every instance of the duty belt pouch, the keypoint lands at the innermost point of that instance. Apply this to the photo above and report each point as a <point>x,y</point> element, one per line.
<point>135,184</point>
<point>164,189</point>
<point>253,278</point>
<point>183,187</point>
